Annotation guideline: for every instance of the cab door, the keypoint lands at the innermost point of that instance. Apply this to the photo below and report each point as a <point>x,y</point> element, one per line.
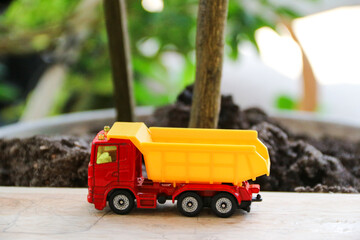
<point>126,165</point>
<point>106,168</point>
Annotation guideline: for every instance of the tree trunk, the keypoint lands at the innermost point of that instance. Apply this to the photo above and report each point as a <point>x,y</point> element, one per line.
<point>209,58</point>
<point>116,26</point>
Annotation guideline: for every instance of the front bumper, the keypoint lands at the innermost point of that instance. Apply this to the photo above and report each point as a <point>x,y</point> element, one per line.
<point>90,198</point>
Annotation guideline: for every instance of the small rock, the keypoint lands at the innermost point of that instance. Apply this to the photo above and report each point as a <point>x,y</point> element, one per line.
<point>43,147</point>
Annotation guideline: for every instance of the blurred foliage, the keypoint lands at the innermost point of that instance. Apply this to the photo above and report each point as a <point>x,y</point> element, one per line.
<point>39,21</point>
<point>285,102</point>
<point>30,15</point>
<point>156,38</point>
<point>8,92</point>
<point>13,112</point>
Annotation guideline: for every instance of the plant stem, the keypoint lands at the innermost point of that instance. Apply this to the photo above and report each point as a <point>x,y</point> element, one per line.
<point>116,26</point>
<point>209,60</point>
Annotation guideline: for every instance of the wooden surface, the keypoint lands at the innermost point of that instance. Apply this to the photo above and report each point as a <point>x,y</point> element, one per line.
<point>62,213</point>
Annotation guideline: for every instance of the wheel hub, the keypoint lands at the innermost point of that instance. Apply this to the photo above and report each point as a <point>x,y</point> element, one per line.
<point>223,205</point>
<point>121,202</point>
<point>189,204</point>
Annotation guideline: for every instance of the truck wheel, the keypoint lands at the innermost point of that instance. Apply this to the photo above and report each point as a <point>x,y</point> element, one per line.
<point>223,205</point>
<point>121,202</point>
<point>189,204</point>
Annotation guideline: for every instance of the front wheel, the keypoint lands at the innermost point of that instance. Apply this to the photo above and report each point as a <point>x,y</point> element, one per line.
<point>121,202</point>
<point>189,204</point>
<point>223,205</point>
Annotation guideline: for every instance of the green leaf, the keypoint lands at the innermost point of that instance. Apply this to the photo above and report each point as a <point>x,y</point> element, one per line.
<point>285,102</point>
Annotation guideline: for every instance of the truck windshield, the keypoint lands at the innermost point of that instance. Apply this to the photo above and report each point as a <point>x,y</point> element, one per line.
<point>106,154</point>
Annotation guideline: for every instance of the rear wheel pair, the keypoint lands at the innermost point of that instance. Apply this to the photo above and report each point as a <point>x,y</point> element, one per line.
<point>190,204</point>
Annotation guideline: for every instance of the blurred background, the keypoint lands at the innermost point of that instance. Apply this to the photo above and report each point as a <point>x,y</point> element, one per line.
<point>280,56</point>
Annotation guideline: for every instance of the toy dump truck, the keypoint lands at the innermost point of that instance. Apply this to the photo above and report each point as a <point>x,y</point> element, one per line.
<point>195,167</point>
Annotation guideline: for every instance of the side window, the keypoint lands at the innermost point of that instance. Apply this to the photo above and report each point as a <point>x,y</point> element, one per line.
<point>106,154</point>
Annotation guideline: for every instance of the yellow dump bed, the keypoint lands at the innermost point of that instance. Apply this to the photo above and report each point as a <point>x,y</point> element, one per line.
<point>184,155</point>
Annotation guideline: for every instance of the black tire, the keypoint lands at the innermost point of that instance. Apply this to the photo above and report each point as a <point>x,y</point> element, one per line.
<point>223,205</point>
<point>121,202</point>
<point>190,204</point>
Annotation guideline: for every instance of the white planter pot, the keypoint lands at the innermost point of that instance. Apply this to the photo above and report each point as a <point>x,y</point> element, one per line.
<point>81,122</point>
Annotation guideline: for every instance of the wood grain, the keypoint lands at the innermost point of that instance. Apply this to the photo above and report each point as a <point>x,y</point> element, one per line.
<point>63,213</point>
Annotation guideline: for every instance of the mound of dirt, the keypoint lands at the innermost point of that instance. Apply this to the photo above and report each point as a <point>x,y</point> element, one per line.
<point>298,163</point>
<point>44,161</point>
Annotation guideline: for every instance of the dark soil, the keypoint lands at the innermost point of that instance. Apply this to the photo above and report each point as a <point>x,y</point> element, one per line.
<point>298,163</point>
<point>44,161</point>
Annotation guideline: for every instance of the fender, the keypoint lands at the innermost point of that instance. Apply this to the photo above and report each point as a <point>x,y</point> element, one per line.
<point>120,188</point>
